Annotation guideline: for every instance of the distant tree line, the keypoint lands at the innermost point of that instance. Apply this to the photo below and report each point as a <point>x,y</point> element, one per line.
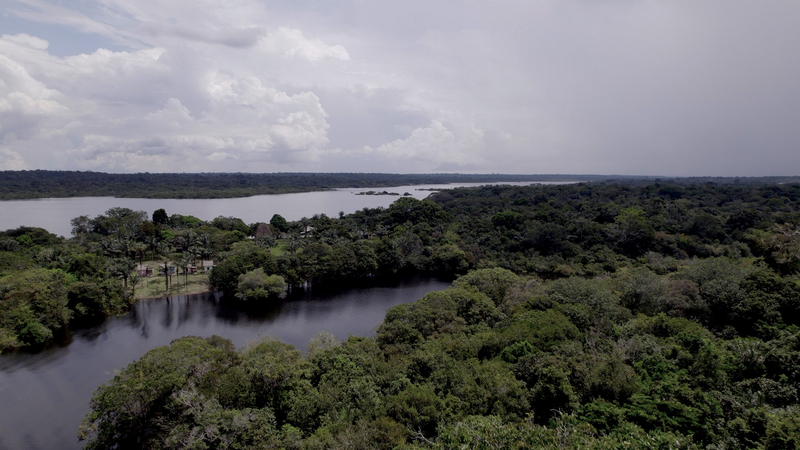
<point>47,183</point>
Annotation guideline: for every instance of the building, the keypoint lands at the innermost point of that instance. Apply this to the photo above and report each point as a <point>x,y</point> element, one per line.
<point>144,270</point>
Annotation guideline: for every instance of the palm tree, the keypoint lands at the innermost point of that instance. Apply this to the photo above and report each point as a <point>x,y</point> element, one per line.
<point>186,260</point>
<point>121,267</point>
<point>139,248</point>
<point>265,242</point>
<point>206,245</point>
<point>163,249</point>
<point>294,243</point>
<point>152,242</point>
<point>133,282</point>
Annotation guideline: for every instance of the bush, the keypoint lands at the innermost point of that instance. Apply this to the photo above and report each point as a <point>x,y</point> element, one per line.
<point>255,285</point>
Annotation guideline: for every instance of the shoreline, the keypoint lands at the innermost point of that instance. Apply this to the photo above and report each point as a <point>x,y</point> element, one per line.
<point>177,293</point>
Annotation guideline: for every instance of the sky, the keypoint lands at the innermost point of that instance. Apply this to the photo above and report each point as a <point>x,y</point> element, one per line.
<point>629,87</point>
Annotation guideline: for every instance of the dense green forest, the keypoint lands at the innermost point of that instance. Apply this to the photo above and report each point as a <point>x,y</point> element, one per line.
<point>599,315</point>
<point>47,183</point>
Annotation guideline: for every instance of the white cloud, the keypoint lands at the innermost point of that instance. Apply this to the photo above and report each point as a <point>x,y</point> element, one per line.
<point>173,115</point>
<point>22,94</point>
<point>459,146</point>
<point>10,160</point>
<point>292,43</point>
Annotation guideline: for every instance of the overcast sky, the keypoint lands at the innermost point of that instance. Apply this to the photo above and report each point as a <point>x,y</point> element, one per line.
<point>666,87</point>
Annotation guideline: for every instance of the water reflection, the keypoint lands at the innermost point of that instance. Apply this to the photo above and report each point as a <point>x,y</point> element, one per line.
<point>44,396</point>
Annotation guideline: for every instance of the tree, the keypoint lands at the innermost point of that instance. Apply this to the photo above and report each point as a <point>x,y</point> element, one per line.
<point>266,242</point>
<point>632,231</point>
<point>130,411</point>
<point>493,282</point>
<point>122,268</point>
<point>160,217</point>
<point>279,223</point>
<point>81,225</point>
<point>163,250</point>
<point>87,300</point>
<point>134,281</point>
<point>294,243</point>
<point>33,305</point>
<point>187,259</point>
<point>139,248</point>
<point>255,285</point>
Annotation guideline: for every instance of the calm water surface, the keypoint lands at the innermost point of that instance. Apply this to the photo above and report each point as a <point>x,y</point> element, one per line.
<point>54,214</point>
<point>44,396</point>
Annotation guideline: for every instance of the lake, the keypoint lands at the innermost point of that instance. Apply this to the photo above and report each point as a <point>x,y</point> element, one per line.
<point>54,214</point>
<point>45,396</point>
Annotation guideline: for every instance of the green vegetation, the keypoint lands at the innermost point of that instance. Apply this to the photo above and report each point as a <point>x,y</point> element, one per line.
<point>604,315</point>
<point>256,286</point>
<point>497,359</point>
<point>46,183</point>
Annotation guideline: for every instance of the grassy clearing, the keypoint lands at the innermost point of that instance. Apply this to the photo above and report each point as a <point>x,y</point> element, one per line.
<point>279,249</point>
<point>155,286</point>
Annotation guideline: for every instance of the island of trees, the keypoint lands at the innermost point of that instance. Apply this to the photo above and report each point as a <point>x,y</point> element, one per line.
<point>601,315</point>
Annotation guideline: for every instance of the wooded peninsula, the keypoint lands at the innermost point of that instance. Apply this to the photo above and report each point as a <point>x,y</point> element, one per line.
<point>610,314</point>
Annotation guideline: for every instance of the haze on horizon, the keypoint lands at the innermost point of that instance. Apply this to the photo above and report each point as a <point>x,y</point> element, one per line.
<point>648,87</point>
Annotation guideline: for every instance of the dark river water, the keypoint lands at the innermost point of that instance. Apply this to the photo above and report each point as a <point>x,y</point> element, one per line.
<point>44,396</point>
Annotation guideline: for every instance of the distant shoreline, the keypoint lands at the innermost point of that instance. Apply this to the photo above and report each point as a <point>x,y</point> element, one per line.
<point>36,184</point>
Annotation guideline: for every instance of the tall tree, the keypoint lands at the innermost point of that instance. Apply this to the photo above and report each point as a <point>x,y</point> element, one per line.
<point>160,217</point>
<point>164,256</point>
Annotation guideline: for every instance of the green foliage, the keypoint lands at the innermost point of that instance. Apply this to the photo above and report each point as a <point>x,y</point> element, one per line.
<point>665,316</point>
<point>511,220</point>
<point>411,210</point>
<point>160,217</point>
<point>452,369</point>
<point>145,406</point>
<point>493,282</point>
<point>279,223</point>
<point>87,300</point>
<point>255,285</point>
<point>33,306</point>
<point>513,352</point>
<point>417,406</point>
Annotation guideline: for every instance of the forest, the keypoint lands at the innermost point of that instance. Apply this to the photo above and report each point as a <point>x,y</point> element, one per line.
<point>638,314</point>
<point>26,184</point>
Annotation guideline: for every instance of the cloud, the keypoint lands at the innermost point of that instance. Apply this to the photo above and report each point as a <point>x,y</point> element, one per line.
<point>455,146</point>
<point>22,94</point>
<point>691,88</point>
<point>113,123</point>
<point>292,43</point>
<point>226,36</point>
<point>10,160</point>
<point>27,106</point>
<point>172,115</point>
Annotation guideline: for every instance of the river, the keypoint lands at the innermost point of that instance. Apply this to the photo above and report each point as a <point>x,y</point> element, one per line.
<point>44,396</point>
<point>54,214</point>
